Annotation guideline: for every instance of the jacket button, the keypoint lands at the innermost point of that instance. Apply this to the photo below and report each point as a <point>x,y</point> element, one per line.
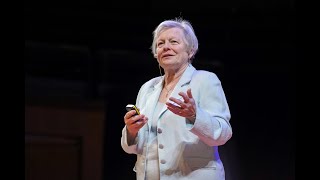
<point>159,130</point>
<point>161,146</point>
<point>163,161</point>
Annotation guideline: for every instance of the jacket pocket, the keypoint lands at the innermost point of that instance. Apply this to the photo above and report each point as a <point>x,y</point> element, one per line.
<point>200,163</point>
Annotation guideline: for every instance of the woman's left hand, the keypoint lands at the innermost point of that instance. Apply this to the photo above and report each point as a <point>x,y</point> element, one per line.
<point>185,108</point>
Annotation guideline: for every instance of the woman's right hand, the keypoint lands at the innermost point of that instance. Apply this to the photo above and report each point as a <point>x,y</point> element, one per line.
<point>134,122</point>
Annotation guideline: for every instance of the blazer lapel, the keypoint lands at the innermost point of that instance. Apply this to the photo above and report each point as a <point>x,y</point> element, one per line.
<point>152,98</point>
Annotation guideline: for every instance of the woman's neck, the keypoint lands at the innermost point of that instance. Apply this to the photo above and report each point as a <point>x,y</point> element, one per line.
<point>173,76</point>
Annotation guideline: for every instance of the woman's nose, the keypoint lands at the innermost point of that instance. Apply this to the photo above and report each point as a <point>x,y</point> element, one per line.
<point>166,45</point>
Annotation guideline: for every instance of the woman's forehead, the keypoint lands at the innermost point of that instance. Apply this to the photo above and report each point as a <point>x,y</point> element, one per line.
<point>171,33</point>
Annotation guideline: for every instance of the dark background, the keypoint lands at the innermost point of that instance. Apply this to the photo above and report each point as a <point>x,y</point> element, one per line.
<point>99,51</point>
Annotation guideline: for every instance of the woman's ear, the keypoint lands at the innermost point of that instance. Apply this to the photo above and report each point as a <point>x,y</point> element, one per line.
<point>190,54</point>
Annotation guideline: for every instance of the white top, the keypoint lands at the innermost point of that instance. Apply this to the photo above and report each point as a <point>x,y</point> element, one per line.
<point>152,172</point>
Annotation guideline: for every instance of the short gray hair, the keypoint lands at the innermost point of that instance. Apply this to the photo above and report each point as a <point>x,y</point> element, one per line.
<point>185,25</point>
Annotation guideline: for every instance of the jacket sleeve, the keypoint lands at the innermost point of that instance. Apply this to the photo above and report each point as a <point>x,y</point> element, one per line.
<point>212,119</point>
<point>130,149</point>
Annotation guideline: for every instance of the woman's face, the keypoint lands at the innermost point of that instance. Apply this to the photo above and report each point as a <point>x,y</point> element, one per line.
<point>171,49</point>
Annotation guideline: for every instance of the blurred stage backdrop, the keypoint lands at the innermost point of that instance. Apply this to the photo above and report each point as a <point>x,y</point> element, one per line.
<point>84,61</point>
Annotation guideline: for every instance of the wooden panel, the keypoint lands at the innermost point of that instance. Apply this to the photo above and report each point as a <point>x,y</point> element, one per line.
<point>52,158</point>
<point>63,143</point>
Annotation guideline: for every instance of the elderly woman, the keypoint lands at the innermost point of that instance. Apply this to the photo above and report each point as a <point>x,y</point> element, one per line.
<point>184,115</point>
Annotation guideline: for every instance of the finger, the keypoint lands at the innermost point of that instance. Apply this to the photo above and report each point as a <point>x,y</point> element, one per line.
<point>184,96</point>
<point>189,93</point>
<point>134,119</point>
<point>137,118</point>
<point>127,117</point>
<point>173,105</point>
<point>140,123</point>
<point>129,114</point>
<point>178,112</point>
<point>177,103</point>
<point>174,110</point>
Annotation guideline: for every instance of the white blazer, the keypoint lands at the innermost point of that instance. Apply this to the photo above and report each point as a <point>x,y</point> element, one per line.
<point>188,151</point>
